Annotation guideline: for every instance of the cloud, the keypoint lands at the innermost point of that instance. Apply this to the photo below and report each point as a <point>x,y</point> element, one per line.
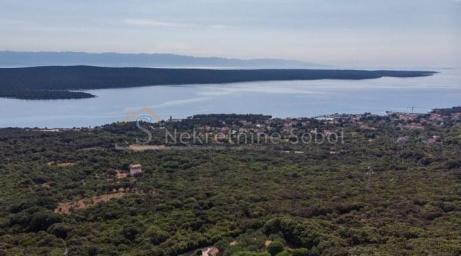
<point>217,26</point>
<point>163,24</point>
<point>155,23</point>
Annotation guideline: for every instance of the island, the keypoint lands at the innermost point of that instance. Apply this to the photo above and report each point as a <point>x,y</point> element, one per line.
<point>68,82</point>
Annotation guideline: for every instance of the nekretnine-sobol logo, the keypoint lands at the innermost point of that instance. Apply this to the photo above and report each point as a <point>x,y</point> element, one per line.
<point>218,135</point>
<point>145,114</point>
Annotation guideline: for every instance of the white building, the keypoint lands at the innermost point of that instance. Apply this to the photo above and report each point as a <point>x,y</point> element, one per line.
<point>135,169</point>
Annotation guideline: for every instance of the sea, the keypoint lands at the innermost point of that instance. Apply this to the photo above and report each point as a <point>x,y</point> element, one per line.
<point>277,98</point>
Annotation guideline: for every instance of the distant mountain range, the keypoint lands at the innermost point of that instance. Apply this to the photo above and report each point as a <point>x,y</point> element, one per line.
<point>27,59</point>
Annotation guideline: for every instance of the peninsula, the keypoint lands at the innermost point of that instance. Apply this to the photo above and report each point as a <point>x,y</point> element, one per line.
<point>69,82</point>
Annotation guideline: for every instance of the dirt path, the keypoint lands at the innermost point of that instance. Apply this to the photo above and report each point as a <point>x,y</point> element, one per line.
<point>141,148</point>
<point>68,207</point>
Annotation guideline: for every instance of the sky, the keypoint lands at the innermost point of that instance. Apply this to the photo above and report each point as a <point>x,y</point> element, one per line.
<point>366,33</point>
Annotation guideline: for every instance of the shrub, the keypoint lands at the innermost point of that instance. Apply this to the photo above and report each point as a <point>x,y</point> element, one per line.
<point>156,235</point>
<point>300,252</point>
<point>130,232</point>
<point>60,230</point>
<point>297,233</point>
<point>250,254</point>
<point>274,248</point>
<point>42,220</point>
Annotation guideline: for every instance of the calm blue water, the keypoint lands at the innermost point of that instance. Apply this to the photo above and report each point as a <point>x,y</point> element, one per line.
<point>280,99</point>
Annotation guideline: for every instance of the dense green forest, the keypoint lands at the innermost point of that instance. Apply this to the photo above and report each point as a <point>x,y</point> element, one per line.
<point>392,188</point>
<point>57,82</point>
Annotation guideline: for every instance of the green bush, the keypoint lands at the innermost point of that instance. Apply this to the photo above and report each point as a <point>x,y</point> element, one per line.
<point>274,248</point>
<point>250,254</point>
<point>60,230</point>
<point>42,220</point>
<point>284,253</point>
<point>130,232</point>
<point>300,252</point>
<point>156,235</point>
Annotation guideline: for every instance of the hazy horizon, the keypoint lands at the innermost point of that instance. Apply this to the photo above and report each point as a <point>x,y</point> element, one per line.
<point>423,33</point>
<point>30,56</point>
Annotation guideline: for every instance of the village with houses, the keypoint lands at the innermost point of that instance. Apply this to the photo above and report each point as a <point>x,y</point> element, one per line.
<point>251,129</point>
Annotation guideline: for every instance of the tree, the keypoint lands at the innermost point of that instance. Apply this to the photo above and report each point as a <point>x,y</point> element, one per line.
<point>274,248</point>
<point>42,220</point>
<point>156,235</point>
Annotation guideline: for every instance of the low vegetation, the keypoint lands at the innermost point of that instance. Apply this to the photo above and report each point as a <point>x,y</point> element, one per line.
<point>376,194</point>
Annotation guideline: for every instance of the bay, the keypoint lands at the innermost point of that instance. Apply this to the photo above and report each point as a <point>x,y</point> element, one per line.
<point>279,99</point>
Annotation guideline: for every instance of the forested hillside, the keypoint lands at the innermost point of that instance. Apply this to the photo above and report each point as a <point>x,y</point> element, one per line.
<point>392,188</point>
